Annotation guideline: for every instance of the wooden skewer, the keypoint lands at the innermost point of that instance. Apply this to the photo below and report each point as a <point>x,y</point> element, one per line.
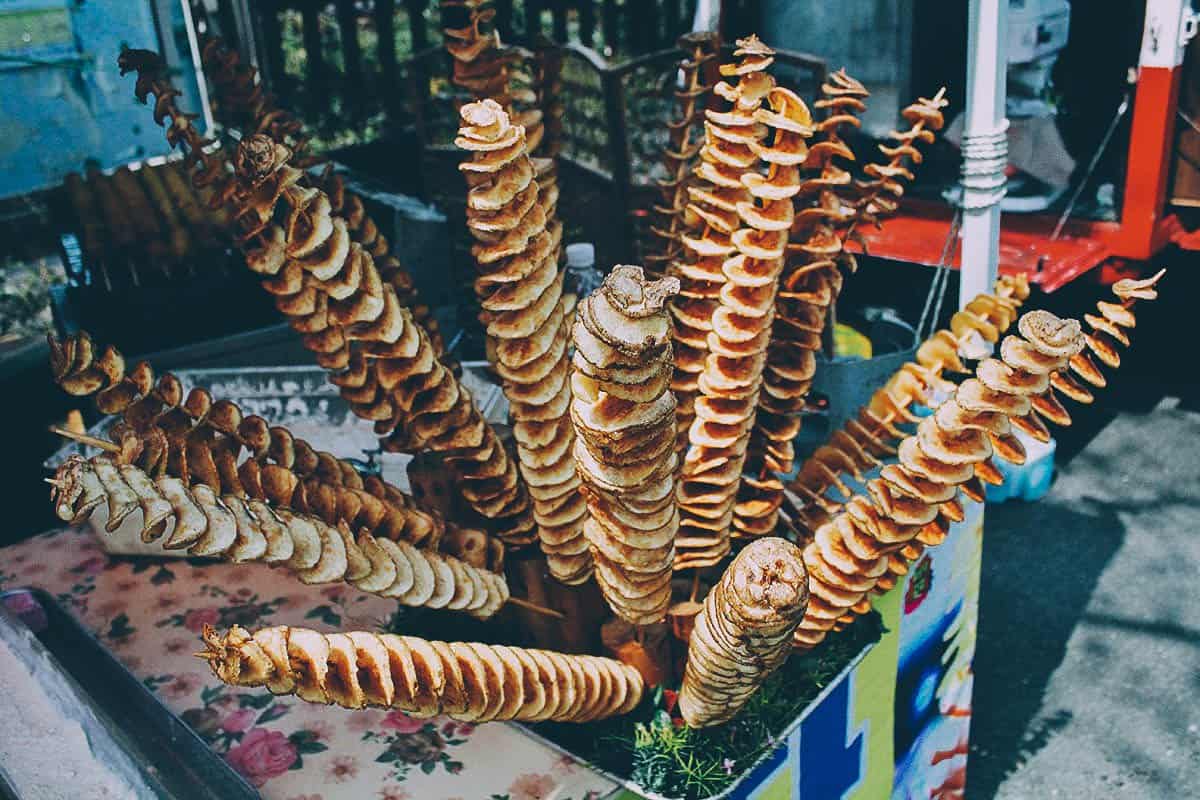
<point>695,585</point>
<point>534,607</point>
<point>83,438</point>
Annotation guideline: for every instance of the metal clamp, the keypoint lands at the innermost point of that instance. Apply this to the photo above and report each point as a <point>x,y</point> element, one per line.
<point>985,158</point>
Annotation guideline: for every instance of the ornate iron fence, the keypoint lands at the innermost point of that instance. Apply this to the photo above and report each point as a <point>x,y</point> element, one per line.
<point>614,133</point>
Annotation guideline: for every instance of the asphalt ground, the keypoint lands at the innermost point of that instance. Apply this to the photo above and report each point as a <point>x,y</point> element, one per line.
<point>1088,662</point>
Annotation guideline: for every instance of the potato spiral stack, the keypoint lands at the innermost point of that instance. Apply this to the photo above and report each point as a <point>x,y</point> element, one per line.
<point>709,219</point>
<point>874,433</point>
<point>810,284</point>
<point>624,415</point>
<point>914,501</point>
<point>238,529</point>
<point>520,289</point>
<point>243,102</point>
<point>813,279</point>
<point>395,378</point>
<point>744,633</point>
<point>741,323</point>
<point>680,153</point>
<point>201,158</point>
<point>250,107</point>
<point>490,70</point>
<point>464,681</point>
<point>199,440</point>
<point>362,229</point>
<point>332,292</point>
<point>881,193</point>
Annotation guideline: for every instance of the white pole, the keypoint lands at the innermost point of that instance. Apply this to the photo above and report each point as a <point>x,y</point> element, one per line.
<point>984,146</point>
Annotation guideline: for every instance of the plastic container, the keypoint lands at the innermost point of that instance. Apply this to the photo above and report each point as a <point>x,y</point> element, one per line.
<point>1029,481</point>
<point>582,276</point>
<point>845,383</point>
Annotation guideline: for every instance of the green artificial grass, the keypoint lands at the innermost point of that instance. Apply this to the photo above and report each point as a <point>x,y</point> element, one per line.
<point>661,755</point>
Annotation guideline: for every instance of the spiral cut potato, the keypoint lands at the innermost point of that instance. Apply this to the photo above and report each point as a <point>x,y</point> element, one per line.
<point>874,432</point>
<point>363,229</point>
<point>880,194</point>
<point>238,529</point>
<point>744,633</point>
<point>397,380</point>
<point>624,413</point>
<point>201,157</point>
<point>813,279</point>
<point>297,296</point>
<point>246,104</point>
<point>200,440</point>
<point>683,145</point>
<point>490,70</point>
<point>751,263</point>
<point>320,300</point>
<point>331,291</point>
<point>464,681</point>
<point>243,101</point>
<point>911,504</point>
<point>810,283</point>
<point>709,219</point>
<point>520,290</point>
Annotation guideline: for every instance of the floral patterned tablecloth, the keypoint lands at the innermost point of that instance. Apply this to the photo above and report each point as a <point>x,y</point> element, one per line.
<point>149,612</point>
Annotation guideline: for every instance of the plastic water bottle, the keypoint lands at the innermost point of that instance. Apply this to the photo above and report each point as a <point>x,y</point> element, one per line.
<point>582,276</point>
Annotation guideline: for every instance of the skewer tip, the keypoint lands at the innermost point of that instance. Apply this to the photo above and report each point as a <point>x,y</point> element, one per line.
<point>83,438</point>
<point>534,607</point>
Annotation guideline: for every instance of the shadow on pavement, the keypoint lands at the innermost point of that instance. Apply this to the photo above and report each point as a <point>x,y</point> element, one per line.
<point>1036,584</point>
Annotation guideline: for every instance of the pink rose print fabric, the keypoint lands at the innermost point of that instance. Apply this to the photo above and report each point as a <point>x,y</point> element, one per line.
<point>149,612</point>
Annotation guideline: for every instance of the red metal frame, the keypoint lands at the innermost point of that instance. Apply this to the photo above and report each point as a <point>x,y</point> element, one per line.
<point>918,233</point>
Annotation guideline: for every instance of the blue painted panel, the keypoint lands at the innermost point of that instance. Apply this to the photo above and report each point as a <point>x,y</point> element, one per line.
<point>62,98</point>
<point>830,760</point>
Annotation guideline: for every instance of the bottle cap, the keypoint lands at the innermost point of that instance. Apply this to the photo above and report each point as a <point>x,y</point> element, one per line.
<point>581,254</point>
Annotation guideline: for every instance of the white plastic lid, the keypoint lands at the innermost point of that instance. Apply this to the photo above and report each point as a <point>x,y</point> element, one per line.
<point>581,254</point>
<point>1034,449</point>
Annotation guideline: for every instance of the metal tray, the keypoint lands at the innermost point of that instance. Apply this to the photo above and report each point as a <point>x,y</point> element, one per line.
<point>168,755</point>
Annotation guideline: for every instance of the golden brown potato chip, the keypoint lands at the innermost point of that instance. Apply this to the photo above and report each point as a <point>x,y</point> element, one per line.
<point>476,683</point>
<point>430,677</point>
<point>383,570</point>
<point>373,669</point>
<point>423,577</point>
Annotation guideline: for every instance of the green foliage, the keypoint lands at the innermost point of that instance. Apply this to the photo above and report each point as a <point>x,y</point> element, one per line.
<point>671,760</point>
<point>331,121</point>
<point>25,297</point>
<point>660,754</point>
